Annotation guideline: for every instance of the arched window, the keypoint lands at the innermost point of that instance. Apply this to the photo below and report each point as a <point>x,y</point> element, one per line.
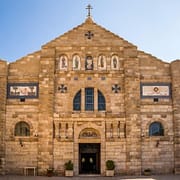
<point>101,102</point>
<point>156,129</point>
<point>90,95</point>
<point>77,101</point>
<point>89,99</point>
<point>22,129</point>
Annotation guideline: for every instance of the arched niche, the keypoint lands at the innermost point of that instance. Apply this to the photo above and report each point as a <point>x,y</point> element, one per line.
<point>89,133</point>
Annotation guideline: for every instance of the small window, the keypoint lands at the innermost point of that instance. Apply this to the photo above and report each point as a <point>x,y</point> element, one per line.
<point>89,99</point>
<point>22,129</point>
<point>156,129</point>
<point>156,99</point>
<point>101,102</point>
<point>77,101</point>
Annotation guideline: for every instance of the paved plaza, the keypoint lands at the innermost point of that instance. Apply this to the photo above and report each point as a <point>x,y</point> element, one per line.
<point>158,177</point>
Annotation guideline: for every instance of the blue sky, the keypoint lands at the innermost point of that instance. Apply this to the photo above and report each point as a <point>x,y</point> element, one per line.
<point>152,25</point>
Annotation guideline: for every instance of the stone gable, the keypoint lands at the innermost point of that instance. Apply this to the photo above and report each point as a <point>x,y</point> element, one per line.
<point>77,37</point>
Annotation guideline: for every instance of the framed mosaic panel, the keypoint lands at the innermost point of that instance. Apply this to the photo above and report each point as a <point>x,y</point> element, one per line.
<point>22,90</point>
<point>155,90</point>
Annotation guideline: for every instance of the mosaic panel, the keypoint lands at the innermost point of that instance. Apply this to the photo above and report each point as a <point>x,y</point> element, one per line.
<point>22,90</point>
<point>155,90</point>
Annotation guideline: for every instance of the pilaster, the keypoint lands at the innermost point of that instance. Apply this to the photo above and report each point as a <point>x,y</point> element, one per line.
<point>46,101</point>
<point>3,85</point>
<point>132,113</point>
<point>175,72</point>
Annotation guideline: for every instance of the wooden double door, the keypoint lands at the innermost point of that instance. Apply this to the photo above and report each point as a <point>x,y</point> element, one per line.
<point>89,158</point>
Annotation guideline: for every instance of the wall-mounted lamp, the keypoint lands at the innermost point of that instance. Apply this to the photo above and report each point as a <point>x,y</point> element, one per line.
<point>35,134</point>
<point>157,143</point>
<point>22,99</point>
<point>21,143</point>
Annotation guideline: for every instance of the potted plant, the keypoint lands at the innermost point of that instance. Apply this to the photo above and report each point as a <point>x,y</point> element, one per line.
<point>147,172</point>
<point>68,168</point>
<point>50,172</point>
<point>110,168</point>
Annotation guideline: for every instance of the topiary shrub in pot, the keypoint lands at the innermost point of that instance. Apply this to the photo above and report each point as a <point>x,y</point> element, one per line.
<point>68,168</point>
<point>147,172</point>
<point>110,166</point>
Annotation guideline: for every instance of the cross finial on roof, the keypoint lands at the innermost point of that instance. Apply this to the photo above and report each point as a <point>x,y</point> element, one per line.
<point>89,7</point>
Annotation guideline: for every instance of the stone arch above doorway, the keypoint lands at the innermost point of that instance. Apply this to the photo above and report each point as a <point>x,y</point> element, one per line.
<point>89,133</point>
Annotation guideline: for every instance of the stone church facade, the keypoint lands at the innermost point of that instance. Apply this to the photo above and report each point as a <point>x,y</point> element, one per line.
<point>90,96</point>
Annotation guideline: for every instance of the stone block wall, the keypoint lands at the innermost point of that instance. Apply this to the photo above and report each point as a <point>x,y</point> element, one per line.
<point>157,151</point>
<point>116,151</point>
<point>20,151</point>
<point>153,69</point>
<point>157,155</point>
<point>175,70</point>
<point>25,68</point>
<point>19,156</point>
<point>3,84</point>
<point>63,152</point>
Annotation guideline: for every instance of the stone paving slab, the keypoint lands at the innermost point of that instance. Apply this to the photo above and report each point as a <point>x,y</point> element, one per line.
<point>160,177</point>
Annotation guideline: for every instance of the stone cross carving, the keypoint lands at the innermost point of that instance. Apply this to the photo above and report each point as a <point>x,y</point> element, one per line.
<point>116,88</point>
<point>89,7</point>
<point>89,34</point>
<point>62,88</point>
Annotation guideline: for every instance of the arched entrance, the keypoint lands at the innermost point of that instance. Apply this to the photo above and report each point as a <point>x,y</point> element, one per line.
<point>89,152</point>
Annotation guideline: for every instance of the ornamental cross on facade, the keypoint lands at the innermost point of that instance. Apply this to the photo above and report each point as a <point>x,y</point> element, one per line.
<point>116,88</point>
<point>89,34</point>
<point>62,88</point>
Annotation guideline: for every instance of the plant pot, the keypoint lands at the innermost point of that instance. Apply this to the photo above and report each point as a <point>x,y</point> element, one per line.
<point>109,172</point>
<point>147,172</point>
<point>69,173</point>
<point>50,172</point>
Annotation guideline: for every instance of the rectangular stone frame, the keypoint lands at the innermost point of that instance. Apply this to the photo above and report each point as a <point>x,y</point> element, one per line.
<point>155,95</point>
<point>20,86</point>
